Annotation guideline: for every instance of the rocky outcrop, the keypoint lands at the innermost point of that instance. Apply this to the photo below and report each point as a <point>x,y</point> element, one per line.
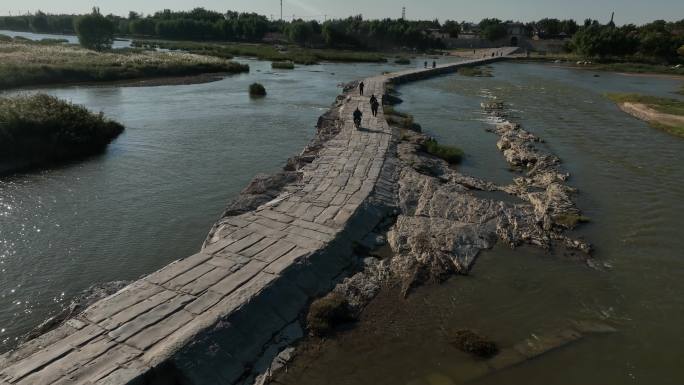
<point>443,220</point>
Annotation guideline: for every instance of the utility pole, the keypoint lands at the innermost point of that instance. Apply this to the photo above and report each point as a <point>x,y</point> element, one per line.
<point>403,13</point>
<point>281,10</point>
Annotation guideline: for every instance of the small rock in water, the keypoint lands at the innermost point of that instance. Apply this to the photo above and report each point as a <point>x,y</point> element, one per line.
<point>474,344</point>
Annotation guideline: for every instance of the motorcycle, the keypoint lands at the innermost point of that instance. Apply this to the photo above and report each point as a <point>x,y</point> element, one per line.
<point>357,123</point>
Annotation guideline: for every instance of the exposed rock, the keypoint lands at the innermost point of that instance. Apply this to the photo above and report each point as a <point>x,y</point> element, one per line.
<point>443,224</point>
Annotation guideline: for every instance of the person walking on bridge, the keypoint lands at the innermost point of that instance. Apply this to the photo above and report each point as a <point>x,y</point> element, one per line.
<point>375,105</point>
<point>434,64</point>
<point>361,86</point>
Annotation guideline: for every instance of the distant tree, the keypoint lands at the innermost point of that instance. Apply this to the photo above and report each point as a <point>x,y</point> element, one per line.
<point>132,15</point>
<point>143,27</point>
<point>39,22</point>
<point>95,31</point>
<point>603,40</point>
<point>569,27</point>
<point>548,27</point>
<point>453,28</point>
<point>680,51</point>
<point>493,29</point>
<point>299,32</point>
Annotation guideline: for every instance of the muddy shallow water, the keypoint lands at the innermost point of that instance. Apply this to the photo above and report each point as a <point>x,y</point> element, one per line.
<point>632,188</point>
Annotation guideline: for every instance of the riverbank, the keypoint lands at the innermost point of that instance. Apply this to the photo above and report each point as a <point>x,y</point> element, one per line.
<point>664,114</point>
<point>41,129</point>
<point>606,65</point>
<point>262,51</point>
<point>28,64</point>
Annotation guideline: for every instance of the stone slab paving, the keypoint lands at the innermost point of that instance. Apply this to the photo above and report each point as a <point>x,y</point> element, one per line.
<point>209,316</point>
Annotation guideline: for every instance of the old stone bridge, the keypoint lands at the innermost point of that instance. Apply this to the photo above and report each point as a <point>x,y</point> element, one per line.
<point>214,316</point>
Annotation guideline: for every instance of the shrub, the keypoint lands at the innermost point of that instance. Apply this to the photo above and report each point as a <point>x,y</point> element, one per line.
<point>256,89</point>
<point>475,72</point>
<point>41,128</point>
<point>283,65</point>
<point>570,221</point>
<point>53,41</point>
<point>95,31</point>
<point>328,312</point>
<point>475,344</point>
<point>5,38</point>
<point>403,60</point>
<point>450,154</point>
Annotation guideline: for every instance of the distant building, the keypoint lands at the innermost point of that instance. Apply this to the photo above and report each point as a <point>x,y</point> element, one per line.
<point>437,33</point>
<point>517,33</point>
<point>468,36</point>
<point>471,37</point>
<point>275,37</point>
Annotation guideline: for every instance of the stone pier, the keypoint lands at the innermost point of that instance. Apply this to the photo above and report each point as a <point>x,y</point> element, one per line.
<point>209,318</point>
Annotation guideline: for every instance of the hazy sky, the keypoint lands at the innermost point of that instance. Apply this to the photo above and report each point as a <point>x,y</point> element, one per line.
<point>627,11</point>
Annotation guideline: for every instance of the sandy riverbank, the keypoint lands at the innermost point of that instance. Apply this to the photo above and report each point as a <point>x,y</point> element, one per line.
<point>671,123</point>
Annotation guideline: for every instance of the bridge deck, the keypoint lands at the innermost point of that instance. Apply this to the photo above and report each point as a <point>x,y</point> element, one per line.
<point>210,315</point>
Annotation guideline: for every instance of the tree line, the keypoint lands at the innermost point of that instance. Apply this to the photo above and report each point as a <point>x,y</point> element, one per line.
<point>202,24</point>
<point>658,39</point>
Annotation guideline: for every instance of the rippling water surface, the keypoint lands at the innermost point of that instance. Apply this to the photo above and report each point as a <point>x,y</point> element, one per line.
<point>632,187</point>
<point>71,39</point>
<point>152,197</point>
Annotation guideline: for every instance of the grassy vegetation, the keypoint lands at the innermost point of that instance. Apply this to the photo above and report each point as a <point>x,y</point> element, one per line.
<point>257,90</point>
<point>482,72</point>
<point>639,68</point>
<point>26,64</point>
<point>295,54</point>
<point>450,154</point>
<point>571,221</point>
<point>674,130</point>
<point>328,312</point>
<point>40,128</point>
<point>664,105</point>
<point>612,64</point>
<point>474,343</point>
<point>400,119</point>
<point>283,65</point>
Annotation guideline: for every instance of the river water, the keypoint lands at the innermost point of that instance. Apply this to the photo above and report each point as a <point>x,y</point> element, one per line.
<point>71,39</point>
<point>632,187</point>
<point>152,197</point>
